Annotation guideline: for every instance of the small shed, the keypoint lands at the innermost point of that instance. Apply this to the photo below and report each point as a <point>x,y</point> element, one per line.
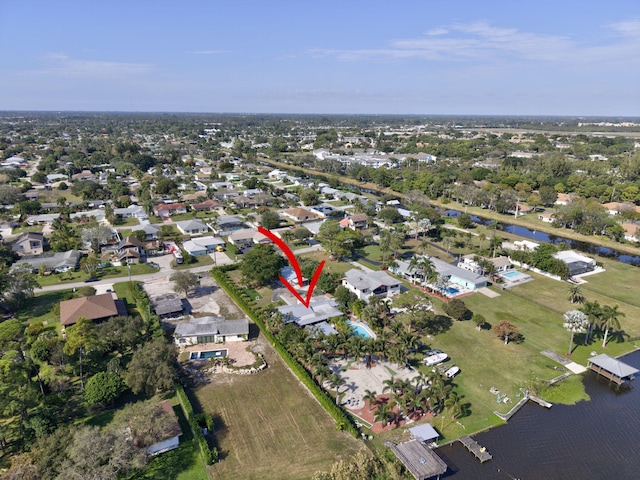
<point>424,433</point>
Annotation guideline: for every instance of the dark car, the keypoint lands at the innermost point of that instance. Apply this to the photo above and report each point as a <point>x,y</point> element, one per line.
<point>91,279</point>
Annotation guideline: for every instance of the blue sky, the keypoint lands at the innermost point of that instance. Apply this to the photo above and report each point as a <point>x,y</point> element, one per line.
<point>562,57</point>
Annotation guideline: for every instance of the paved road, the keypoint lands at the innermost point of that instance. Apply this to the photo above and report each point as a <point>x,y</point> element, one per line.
<point>164,272</point>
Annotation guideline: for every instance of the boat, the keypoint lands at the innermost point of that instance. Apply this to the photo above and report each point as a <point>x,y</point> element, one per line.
<point>452,372</point>
<point>435,359</point>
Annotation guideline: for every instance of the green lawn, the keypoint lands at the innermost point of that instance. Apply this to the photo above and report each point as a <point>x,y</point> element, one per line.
<point>201,260</point>
<point>40,307</point>
<point>331,265</point>
<point>537,309</point>
<point>268,426</point>
<point>108,272</point>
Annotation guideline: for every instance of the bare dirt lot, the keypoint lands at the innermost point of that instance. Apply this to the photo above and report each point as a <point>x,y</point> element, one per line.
<point>206,299</point>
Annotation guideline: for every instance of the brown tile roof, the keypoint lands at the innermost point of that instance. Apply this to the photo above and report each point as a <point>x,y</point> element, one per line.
<point>94,308</point>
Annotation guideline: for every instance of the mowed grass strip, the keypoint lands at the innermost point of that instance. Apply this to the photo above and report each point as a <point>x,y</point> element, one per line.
<point>268,426</point>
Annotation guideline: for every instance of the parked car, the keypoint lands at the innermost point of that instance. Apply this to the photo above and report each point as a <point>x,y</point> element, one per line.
<point>91,279</point>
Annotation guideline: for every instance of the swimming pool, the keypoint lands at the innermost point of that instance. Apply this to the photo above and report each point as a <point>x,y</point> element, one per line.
<point>452,290</point>
<point>208,354</point>
<point>361,330</point>
<point>512,274</point>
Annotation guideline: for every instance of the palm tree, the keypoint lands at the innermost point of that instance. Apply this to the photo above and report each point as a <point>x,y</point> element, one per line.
<point>610,319</point>
<point>423,265</point>
<point>576,322</point>
<point>454,404</point>
<point>593,310</point>
<point>370,396</point>
<point>336,381</point>
<point>323,372</point>
<point>575,294</point>
<point>388,384</point>
<point>384,413</point>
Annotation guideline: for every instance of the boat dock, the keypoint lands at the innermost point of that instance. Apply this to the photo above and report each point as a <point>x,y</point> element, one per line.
<point>526,397</point>
<point>474,447</point>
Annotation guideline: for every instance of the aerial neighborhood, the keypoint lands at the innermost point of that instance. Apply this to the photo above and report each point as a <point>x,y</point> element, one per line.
<point>143,308</point>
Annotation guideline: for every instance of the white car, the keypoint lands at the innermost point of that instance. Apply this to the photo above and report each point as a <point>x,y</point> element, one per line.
<point>452,372</point>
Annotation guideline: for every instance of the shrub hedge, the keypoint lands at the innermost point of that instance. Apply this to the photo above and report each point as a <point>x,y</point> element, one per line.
<point>209,455</point>
<point>244,301</point>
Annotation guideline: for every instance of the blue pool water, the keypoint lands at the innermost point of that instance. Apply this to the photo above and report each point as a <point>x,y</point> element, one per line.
<point>452,290</point>
<point>512,274</point>
<point>208,354</point>
<point>360,330</point>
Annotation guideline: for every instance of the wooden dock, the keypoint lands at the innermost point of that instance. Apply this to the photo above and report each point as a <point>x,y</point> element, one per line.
<point>474,447</point>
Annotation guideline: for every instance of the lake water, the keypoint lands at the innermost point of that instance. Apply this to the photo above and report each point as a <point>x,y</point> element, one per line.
<point>594,440</point>
<point>547,238</point>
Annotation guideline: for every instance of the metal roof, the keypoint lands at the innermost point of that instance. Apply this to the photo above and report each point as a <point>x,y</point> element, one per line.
<point>612,365</point>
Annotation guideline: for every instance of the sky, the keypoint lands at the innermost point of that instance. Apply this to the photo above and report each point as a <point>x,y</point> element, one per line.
<point>467,57</point>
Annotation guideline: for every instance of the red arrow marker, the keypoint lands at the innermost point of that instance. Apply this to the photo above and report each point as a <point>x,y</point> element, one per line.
<point>296,267</point>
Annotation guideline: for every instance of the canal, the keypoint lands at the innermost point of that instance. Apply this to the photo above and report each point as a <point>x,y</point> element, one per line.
<point>591,440</point>
<point>536,236</point>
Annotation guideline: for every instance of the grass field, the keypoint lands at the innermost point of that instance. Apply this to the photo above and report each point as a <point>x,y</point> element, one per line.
<point>537,309</point>
<point>267,426</point>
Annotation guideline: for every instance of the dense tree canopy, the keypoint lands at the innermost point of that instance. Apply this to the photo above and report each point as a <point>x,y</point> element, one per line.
<point>262,265</point>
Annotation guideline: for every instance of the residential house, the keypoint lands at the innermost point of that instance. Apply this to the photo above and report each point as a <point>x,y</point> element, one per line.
<point>207,206</point>
<point>168,209</point>
<point>167,306</point>
<point>97,215</point>
<point>300,215</point>
<point>578,264</point>
<point>357,221</point>
<point>43,219</point>
<point>29,244</point>
<point>617,208</point>
<point>452,280</point>
<point>192,227</point>
<point>365,285</point>
<point>150,230</point>
<point>211,330</point>
<point>547,217</point>
<point>320,309</point>
<point>227,224</point>
<point>170,438</point>
<point>95,307</point>
<point>469,263</point>
<point>129,250</point>
<point>247,238</point>
<point>53,262</point>
<point>565,198</point>
<point>132,211</point>
<point>631,232</point>
<point>202,245</point>
<point>84,175</point>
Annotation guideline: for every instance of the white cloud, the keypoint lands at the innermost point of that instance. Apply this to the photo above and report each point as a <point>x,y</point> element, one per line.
<point>482,42</point>
<point>63,65</point>
<point>630,28</point>
<point>436,31</point>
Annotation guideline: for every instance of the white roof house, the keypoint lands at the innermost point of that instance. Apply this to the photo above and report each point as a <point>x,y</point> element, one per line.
<point>202,245</point>
<point>320,309</point>
<point>192,227</point>
<point>365,285</point>
<point>211,330</point>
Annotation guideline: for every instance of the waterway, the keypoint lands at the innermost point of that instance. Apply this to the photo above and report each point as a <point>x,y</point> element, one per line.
<point>536,236</point>
<point>596,439</point>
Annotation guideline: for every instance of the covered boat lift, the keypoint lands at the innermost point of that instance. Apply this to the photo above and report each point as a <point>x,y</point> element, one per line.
<point>612,369</point>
